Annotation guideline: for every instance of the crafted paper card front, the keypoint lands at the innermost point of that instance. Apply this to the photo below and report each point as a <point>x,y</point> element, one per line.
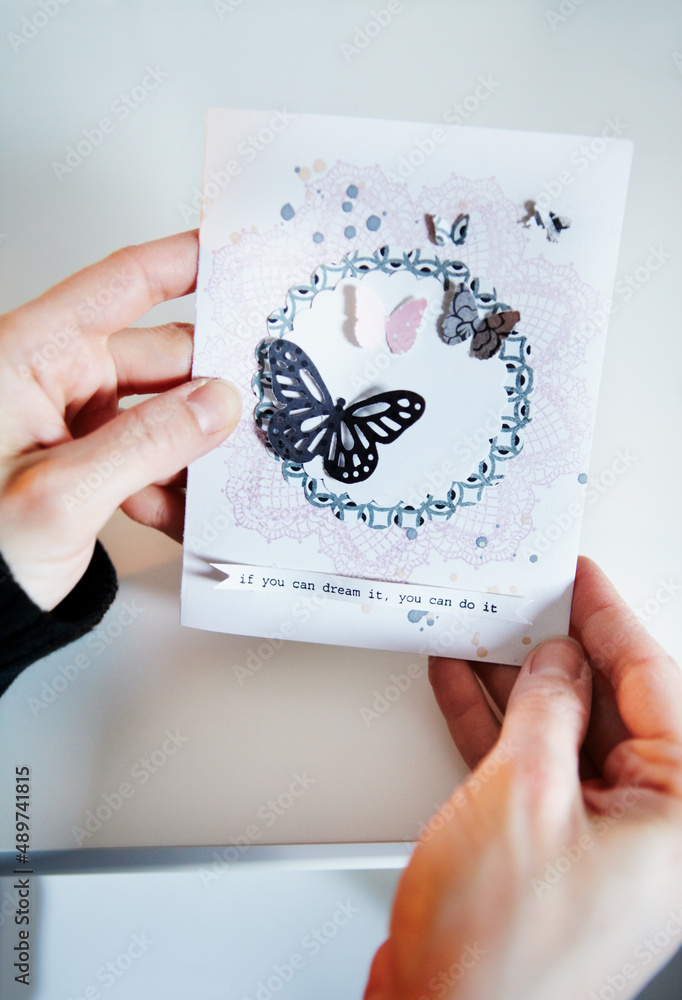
<point>416,331</point>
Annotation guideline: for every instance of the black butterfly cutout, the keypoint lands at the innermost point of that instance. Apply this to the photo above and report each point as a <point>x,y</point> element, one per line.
<point>487,334</point>
<point>309,423</point>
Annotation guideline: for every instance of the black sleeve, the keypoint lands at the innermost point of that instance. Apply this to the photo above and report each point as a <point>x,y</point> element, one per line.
<point>27,632</point>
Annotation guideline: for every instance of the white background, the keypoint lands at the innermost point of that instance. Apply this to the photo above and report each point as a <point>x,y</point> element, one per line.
<point>608,59</point>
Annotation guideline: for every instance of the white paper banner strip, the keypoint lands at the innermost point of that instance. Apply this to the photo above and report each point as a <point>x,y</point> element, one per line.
<point>406,596</point>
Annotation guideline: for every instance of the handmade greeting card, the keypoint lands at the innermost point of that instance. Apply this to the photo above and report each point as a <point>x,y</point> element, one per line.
<point>415,317</point>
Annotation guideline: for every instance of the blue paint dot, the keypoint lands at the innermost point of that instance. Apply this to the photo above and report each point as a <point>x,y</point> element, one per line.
<point>411,533</point>
<point>318,237</point>
<point>582,478</point>
<point>533,558</point>
<point>349,232</point>
<point>347,206</point>
<point>373,223</point>
<point>430,621</point>
<point>287,212</point>
<point>384,213</point>
<point>415,616</point>
<point>297,170</point>
<point>352,191</point>
<point>481,541</point>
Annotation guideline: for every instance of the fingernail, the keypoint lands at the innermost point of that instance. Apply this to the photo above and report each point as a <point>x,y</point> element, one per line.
<point>216,404</point>
<point>558,657</point>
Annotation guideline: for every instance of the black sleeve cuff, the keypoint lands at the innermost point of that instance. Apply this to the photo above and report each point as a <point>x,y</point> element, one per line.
<point>27,632</point>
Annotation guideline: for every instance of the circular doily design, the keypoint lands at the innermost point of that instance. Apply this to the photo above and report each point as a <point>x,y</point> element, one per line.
<point>504,446</point>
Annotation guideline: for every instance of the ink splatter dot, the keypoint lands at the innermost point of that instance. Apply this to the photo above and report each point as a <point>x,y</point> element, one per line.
<point>526,640</point>
<point>319,166</point>
<point>481,541</point>
<point>318,238</point>
<point>352,191</point>
<point>349,232</point>
<point>347,206</point>
<point>415,616</point>
<point>533,558</point>
<point>476,639</point>
<point>582,478</point>
<point>303,173</point>
<point>481,651</point>
<point>287,212</point>
<point>373,223</point>
<point>411,533</point>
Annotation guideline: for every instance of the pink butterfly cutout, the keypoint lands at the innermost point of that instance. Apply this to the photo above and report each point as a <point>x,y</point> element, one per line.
<point>400,327</point>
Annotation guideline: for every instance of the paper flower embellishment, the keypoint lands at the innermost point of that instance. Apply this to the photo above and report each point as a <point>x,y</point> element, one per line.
<point>486,334</point>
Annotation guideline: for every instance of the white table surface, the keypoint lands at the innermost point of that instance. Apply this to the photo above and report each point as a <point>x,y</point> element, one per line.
<point>300,713</point>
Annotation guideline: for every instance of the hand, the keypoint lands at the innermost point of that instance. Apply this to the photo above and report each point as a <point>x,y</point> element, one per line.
<point>530,883</point>
<point>68,459</point>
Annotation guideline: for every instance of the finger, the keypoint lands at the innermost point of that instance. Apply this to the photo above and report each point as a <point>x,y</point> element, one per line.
<point>152,359</point>
<point>109,295</point>
<point>546,720</point>
<point>160,507</point>
<point>74,488</point>
<point>606,728</point>
<point>498,679</point>
<point>469,717</point>
<point>646,682</point>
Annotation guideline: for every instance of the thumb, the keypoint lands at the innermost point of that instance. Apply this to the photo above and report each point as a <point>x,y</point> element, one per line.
<point>547,715</point>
